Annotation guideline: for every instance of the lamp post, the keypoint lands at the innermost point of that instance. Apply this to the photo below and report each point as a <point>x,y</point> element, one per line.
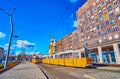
<point>11,34</point>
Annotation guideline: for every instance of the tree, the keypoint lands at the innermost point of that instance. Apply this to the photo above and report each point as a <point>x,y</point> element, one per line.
<point>19,57</point>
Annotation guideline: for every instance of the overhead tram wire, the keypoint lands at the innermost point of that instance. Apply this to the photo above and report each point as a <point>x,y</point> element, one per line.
<point>72,12</point>
<point>9,8</point>
<point>36,31</point>
<point>61,18</point>
<point>66,10</point>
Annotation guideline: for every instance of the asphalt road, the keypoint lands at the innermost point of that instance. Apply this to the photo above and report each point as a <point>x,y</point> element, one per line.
<point>60,72</point>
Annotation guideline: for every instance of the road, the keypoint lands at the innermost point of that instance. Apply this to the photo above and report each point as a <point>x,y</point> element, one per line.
<point>60,72</point>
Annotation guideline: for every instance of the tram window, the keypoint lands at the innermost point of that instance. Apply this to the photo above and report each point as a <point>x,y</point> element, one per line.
<point>76,55</point>
<point>82,55</point>
<point>55,56</point>
<point>37,57</point>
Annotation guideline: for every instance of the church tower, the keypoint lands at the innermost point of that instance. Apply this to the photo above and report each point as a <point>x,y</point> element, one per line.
<point>52,46</point>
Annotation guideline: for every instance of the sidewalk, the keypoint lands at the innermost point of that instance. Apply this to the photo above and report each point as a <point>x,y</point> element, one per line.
<point>109,68</point>
<point>23,71</point>
<point>108,72</point>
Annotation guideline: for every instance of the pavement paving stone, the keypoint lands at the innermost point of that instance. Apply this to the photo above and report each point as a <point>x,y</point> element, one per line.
<point>23,71</point>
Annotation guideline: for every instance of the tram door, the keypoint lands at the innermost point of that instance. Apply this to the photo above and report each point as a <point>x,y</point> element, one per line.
<point>112,55</point>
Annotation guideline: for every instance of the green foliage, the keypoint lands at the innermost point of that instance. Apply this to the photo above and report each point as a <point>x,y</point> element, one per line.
<point>1,66</point>
<point>18,57</point>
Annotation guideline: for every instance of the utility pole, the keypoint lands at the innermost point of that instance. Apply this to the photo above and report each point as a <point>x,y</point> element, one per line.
<point>11,35</point>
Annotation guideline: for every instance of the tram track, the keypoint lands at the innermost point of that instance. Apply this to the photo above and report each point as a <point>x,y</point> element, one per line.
<point>56,73</point>
<point>46,74</point>
<point>61,72</point>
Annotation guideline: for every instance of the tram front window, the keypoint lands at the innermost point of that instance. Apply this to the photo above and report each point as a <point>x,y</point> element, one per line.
<point>82,55</point>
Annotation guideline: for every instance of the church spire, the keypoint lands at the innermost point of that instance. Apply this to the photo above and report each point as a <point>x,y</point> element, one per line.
<point>53,41</point>
<point>52,46</point>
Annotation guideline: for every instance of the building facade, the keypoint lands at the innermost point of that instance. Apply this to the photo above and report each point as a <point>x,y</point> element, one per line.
<point>98,30</point>
<point>2,56</point>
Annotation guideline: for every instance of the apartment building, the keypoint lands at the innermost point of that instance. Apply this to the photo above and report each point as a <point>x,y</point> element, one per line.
<point>98,30</point>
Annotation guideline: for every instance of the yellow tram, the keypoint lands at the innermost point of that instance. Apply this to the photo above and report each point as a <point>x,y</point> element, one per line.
<point>35,59</point>
<point>71,58</point>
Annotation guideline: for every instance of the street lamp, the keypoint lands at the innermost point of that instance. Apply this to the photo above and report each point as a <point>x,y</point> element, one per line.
<point>11,34</point>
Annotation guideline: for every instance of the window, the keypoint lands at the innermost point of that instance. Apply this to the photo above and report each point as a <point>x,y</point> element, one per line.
<point>115,3</point>
<point>101,19</point>
<point>109,30</point>
<point>97,43</point>
<point>104,10</point>
<point>118,17</point>
<point>100,13</point>
<point>94,10</point>
<point>99,33</point>
<point>109,7</point>
<point>103,3</point>
<point>112,21</point>
<point>95,15</point>
<point>103,33</point>
<point>91,36</point>
<point>93,24</point>
<point>92,43</point>
<point>111,14</point>
<point>107,22</point>
<point>97,27</point>
<point>105,40</point>
<point>82,55</point>
<point>98,8</point>
<point>94,36</point>
<point>91,12</point>
<point>102,25</point>
<point>86,27</point>
<point>114,29</point>
<point>88,14</point>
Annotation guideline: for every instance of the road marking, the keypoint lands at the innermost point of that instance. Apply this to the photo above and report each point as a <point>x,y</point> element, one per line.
<point>90,77</point>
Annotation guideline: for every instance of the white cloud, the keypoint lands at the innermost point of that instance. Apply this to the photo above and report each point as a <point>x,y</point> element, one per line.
<point>17,53</point>
<point>37,53</point>
<point>75,24</point>
<point>2,35</point>
<point>31,53</point>
<point>25,44</point>
<point>6,45</point>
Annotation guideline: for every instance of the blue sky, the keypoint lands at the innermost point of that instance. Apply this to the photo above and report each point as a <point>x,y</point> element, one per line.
<point>36,21</point>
